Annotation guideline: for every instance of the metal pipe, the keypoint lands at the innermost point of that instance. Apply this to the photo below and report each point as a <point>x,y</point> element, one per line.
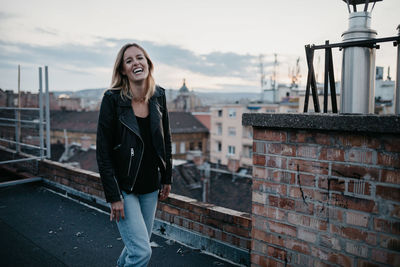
<point>48,145</point>
<point>18,117</point>
<point>358,67</point>
<point>17,121</point>
<point>8,108</point>
<point>19,160</point>
<point>41,113</point>
<point>21,144</point>
<point>397,92</point>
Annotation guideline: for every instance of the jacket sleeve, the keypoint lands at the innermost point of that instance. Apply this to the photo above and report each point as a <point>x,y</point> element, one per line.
<point>104,145</point>
<point>167,141</point>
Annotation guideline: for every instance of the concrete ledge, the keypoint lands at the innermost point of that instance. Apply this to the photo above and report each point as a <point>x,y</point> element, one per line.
<point>194,240</point>
<point>330,122</point>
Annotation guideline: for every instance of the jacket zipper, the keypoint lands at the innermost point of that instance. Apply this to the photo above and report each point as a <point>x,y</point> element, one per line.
<point>141,155</point>
<point>130,160</point>
<point>120,193</point>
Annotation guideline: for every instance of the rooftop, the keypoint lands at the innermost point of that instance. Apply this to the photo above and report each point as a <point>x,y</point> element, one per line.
<point>57,231</point>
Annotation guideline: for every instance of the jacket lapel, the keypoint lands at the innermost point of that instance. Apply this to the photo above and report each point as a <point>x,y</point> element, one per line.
<point>127,116</point>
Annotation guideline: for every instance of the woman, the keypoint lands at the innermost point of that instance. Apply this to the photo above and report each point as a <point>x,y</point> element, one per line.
<point>134,151</point>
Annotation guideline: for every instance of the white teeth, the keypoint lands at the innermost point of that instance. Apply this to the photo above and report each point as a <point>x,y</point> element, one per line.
<point>137,70</point>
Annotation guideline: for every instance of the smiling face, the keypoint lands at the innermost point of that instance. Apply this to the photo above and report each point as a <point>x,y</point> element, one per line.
<point>135,65</point>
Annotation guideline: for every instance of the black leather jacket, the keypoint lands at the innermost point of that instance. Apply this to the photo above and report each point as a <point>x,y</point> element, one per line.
<point>119,146</point>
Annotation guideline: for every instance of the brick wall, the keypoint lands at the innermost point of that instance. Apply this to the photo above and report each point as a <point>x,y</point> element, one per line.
<point>323,197</point>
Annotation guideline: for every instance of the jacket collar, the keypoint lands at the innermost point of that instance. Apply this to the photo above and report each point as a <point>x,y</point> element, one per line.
<point>128,117</point>
<point>127,102</point>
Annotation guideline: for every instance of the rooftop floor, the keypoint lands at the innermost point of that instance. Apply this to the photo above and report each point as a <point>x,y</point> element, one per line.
<point>41,228</point>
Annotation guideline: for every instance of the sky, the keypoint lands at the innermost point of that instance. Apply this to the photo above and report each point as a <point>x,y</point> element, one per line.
<point>214,44</point>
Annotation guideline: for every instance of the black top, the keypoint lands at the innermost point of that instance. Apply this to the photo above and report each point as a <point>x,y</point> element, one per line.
<point>147,180</point>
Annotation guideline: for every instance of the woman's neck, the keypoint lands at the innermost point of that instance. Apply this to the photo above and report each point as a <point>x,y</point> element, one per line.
<point>138,90</point>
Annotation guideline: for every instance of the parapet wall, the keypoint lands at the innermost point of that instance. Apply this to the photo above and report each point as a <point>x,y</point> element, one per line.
<point>214,229</point>
<point>326,190</point>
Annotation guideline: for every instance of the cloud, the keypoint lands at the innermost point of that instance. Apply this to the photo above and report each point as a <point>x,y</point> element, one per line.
<point>80,59</point>
<point>6,15</point>
<point>46,31</point>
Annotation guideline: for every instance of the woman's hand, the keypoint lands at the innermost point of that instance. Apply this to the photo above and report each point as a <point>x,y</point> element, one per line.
<point>165,189</point>
<point>117,211</point>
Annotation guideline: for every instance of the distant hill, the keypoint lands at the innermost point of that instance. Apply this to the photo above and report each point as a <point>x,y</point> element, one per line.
<point>207,98</point>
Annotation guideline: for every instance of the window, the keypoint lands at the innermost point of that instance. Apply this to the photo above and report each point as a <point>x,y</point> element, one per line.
<point>247,151</point>
<point>219,146</point>
<point>231,150</point>
<point>182,148</point>
<point>232,113</point>
<point>220,113</point>
<point>200,146</point>
<point>231,131</point>
<point>173,148</point>
<point>191,146</point>
<point>247,132</point>
<point>219,129</point>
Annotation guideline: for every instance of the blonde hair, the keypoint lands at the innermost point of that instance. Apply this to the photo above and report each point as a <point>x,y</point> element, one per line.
<point>120,81</point>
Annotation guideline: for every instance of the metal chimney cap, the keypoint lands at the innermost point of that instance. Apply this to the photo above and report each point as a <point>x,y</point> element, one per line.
<point>359,2</point>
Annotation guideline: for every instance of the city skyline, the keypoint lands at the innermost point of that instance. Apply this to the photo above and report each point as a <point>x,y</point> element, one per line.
<point>214,45</point>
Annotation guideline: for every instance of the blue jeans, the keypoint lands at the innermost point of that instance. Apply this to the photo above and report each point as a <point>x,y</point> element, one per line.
<point>136,228</point>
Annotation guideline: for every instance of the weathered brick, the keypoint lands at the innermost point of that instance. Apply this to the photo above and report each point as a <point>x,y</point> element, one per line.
<point>340,259</point>
<point>259,197</point>
<point>306,235</point>
<point>281,176</point>
<point>386,257</point>
<point>307,151</point>
<point>395,211</point>
<point>306,221</point>
<point>281,228</point>
<point>312,167</point>
<point>391,143</point>
<point>366,263</point>
<point>277,253</point>
<point>275,162</point>
<point>269,135</point>
<point>386,192</point>
<point>390,176</point>
<point>389,242</point>
<point>281,149</point>
<point>319,253</point>
<point>330,242</point>
<point>331,154</point>
<point>306,180</point>
<point>357,249</point>
<point>355,140</point>
<point>304,207</point>
<point>300,246</point>
<point>259,172</point>
<point>270,188</point>
<point>259,247</point>
<point>353,203</point>
<point>259,160</point>
<point>382,225</point>
<point>389,159</point>
<point>355,171</point>
<point>359,219</point>
<point>359,187</point>
<point>355,234</point>
<point>310,137</point>
<point>360,155</point>
<point>269,212</point>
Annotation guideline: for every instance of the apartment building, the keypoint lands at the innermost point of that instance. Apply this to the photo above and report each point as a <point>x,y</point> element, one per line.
<point>231,143</point>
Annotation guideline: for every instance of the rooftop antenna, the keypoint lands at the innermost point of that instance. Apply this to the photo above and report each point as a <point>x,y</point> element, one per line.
<point>388,76</point>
